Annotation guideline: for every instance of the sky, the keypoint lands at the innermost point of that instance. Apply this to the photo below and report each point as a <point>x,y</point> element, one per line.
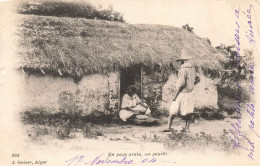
<point>214,19</point>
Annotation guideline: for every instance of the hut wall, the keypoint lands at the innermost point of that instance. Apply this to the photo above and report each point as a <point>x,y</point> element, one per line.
<point>98,93</point>
<point>205,92</point>
<point>157,90</point>
<point>101,92</point>
<point>44,91</point>
<point>93,93</point>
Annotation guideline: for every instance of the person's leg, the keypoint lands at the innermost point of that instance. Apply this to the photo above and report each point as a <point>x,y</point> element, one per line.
<point>125,114</point>
<point>188,119</point>
<point>174,109</point>
<point>170,119</point>
<point>188,124</point>
<point>142,110</point>
<point>139,109</point>
<point>186,108</point>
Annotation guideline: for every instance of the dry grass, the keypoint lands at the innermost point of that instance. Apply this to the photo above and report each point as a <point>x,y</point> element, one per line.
<point>78,46</point>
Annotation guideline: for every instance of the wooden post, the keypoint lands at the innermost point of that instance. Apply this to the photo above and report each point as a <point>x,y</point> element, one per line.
<point>141,82</point>
<point>119,91</point>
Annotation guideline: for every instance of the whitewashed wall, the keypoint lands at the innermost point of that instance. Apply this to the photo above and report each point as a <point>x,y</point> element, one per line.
<point>97,92</point>
<point>90,94</point>
<point>205,92</point>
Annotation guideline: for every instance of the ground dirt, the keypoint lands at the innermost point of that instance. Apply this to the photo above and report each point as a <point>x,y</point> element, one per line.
<point>140,137</point>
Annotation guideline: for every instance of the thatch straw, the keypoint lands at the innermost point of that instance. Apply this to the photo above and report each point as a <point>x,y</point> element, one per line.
<point>77,45</point>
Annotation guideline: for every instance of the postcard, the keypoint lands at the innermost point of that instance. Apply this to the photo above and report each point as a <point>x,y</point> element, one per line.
<point>129,82</point>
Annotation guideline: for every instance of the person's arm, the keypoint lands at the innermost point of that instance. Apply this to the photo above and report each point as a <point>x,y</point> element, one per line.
<point>144,105</point>
<point>176,94</point>
<point>180,83</point>
<point>130,109</point>
<point>139,101</point>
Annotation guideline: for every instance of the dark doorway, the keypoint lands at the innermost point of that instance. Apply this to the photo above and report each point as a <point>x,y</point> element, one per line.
<point>130,76</point>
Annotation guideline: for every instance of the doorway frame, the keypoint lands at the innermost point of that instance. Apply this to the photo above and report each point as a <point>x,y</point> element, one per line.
<point>139,88</point>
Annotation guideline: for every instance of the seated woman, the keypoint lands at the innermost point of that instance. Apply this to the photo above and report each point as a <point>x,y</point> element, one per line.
<point>132,105</point>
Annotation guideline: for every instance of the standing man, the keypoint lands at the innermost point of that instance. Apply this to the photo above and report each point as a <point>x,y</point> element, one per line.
<point>183,101</point>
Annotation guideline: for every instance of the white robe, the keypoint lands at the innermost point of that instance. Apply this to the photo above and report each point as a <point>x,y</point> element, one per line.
<point>134,103</point>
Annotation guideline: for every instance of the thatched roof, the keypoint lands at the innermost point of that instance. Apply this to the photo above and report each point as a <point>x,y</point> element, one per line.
<point>78,46</point>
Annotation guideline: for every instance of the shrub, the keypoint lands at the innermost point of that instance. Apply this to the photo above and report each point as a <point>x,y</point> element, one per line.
<point>39,130</point>
<point>89,132</point>
<point>209,114</point>
<point>64,133</point>
<point>69,9</point>
<point>35,115</point>
<point>237,70</point>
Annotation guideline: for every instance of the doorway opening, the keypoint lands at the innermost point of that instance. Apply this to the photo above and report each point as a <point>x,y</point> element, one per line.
<point>131,76</point>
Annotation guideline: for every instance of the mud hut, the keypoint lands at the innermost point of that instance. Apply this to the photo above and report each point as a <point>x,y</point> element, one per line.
<point>86,65</point>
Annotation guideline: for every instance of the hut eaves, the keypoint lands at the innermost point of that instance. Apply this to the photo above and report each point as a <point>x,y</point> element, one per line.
<point>77,46</point>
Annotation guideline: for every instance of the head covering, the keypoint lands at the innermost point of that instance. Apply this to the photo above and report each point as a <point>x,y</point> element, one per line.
<point>184,56</point>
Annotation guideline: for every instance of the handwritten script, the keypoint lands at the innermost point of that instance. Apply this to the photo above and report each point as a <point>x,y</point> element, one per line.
<point>108,160</point>
<point>239,139</point>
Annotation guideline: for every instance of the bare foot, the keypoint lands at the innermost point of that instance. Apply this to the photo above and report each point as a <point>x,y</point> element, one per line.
<point>185,130</point>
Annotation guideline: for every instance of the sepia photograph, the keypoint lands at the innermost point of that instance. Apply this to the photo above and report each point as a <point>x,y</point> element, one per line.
<point>129,82</point>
